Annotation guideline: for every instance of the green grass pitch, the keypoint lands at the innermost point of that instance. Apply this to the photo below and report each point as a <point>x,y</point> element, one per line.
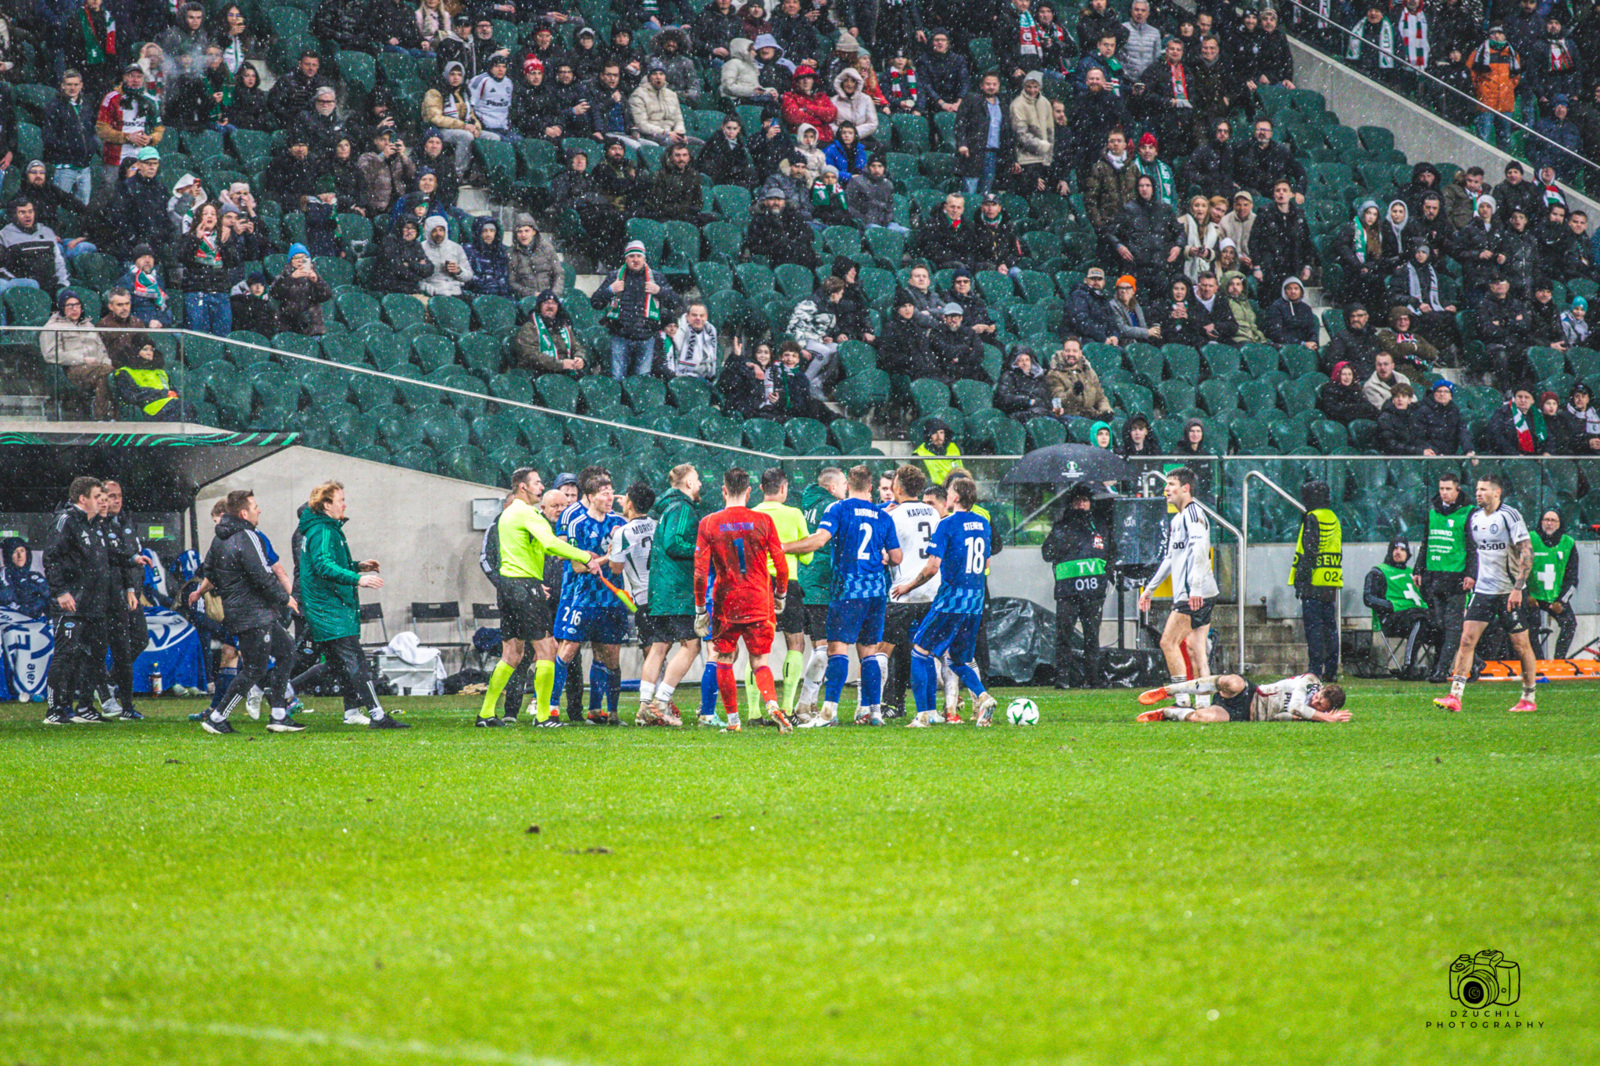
<point>1091,890</point>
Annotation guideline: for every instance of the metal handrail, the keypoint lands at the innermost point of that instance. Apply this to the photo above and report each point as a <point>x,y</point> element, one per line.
<point>1402,64</point>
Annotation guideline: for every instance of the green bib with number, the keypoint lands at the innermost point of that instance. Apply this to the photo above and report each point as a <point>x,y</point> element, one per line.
<point>1549,568</point>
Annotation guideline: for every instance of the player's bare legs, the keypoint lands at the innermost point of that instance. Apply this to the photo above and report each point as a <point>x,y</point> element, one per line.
<point>660,711</point>
<point>1461,669</point>
<point>1523,646</point>
<point>655,657</point>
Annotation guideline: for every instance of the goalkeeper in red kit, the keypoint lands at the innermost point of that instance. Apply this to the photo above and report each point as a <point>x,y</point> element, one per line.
<point>731,552</point>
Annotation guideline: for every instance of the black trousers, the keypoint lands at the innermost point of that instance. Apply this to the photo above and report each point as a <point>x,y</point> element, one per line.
<point>1416,627</point>
<point>1073,611</point>
<point>900,625</point>
<point>349,666</point>
<point>1322,636</point>
<point>1446,601</point>
<point>1566,624</point>
<point>266,655</point>
<point>128,634</point>
<point>78,661</point>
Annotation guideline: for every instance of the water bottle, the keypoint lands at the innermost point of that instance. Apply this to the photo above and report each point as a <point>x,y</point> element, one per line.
<point>155,680</point>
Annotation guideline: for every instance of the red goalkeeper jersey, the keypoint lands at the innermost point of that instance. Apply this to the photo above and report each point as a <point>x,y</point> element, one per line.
<point>733,547</point>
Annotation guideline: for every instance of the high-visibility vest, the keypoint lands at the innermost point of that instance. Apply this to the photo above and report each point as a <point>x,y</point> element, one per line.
<point>1399,590</point>
<point>155,388</point>
<point>1328,565</point>
<point>1447,541</point>
<point>1549,568</point>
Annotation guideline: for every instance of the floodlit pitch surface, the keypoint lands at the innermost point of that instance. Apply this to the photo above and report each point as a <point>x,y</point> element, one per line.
<point>1090,890</point>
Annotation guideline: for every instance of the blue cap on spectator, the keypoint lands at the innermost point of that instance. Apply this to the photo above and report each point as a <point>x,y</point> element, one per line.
<point>1441,384</point>
<point>298,249</point>
<point>565,479</point>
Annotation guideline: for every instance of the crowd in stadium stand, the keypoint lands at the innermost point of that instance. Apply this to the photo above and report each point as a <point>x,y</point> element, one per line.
<point>1054,223</point>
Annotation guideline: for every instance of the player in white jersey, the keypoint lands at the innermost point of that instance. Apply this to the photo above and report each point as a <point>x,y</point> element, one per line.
<point>1505,558</point>
<point>629,552</point>
<point>914,523</point>
<point>1194,587</point>
<point>1294,699</point>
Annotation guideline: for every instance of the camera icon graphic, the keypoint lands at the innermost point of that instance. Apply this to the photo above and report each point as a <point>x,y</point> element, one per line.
<point>1487,979</point>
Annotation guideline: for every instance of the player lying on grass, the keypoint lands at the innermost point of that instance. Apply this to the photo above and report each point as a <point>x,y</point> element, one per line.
<point>1304,698</point>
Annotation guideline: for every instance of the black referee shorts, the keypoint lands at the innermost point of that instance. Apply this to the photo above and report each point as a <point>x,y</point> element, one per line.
<point>524,609</point>
<point>817,622</point>
<point>793,618</point>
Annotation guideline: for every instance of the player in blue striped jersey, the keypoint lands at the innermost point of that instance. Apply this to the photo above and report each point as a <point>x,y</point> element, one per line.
<point>864,545</point>
<point>958,554</point>
<point>587,610</point>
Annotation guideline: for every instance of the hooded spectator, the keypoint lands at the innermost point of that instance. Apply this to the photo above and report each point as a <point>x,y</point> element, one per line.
<point>903,345</point>
<point>1290,319</point>
<point>451,267</point>
<point>1137,440</point>
<point>1245,314</point>
<point>402,265</point>
<point>22,588</point>
<point>491,268</point>
<point>853,105</point>
<point>1581,409</point>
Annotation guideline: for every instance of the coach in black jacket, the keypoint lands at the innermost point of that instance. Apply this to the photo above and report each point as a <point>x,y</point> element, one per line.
<point>126,629</point>
<point>253,600</point>
<point>78,563</point>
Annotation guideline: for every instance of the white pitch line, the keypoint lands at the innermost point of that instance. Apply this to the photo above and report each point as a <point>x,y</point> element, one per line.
<point>298,1038</point>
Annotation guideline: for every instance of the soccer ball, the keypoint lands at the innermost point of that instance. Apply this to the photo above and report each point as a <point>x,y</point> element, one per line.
<point>1022,711</point>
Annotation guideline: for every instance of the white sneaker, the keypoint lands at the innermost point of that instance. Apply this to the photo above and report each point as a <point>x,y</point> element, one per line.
<point>252,703</point>
<point>828,715</point>
<point>920,721</point>
<point>355,717</point>
<point>984,710</point>
<point>111,707</point>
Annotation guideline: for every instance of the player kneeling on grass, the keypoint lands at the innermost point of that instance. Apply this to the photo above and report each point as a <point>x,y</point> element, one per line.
<point>959,554</point>
<point>738,552</point>
<point>1304,698</point>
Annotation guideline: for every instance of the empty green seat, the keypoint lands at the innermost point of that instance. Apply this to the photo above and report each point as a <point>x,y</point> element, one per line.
<point>557,391</point>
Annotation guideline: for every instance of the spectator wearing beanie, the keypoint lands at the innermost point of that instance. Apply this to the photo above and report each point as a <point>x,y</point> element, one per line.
<point>1022,392</point>
<point>633,306</point>
<point>300,293</point>
<point>547,343</point>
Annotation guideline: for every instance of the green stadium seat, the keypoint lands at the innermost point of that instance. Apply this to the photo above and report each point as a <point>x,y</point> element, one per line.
<point>512,387</point>
<point>400,311</point>
<point>850,437</point>
<point>432,352</point>
<point>794,281</point>
<point>756,279</point>
<point>495,314</point>
<point>689,394</point>
<point>973,396</point>
<point>763,435</point>
<point>1298,360</point>
<point>864,391</point>
<point>481,354</point>
<point>1182,362</point>
<point>557,391</point>
<point>645,396</point>
<point>928,396</point>
<point>1044,432</point>
<point>450,314</point>
<point>806,435</point>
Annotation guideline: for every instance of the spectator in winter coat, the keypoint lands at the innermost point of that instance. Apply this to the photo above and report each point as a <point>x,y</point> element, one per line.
<point>694,345</point>
<point>70,144</point>
<point>447,109</point>
<point>633,306</point>
<point>300,293</point>
<point>491,269</point>
<point>1562,435</point>
<point>671,49</point>
<point>1148,237</point>
<point>293,92</point>
<point>1034,125</point>
<point>815,324</point>
<point>1517,427</point>
<point>942,74</point>
<point>1407,348</point>
<point>804,103</point>
<point>1089,313</point>
<point>1210,168</point>
<point>1075,385</point>
<point>1210,314</point>
<point>143,282</point>
<point>994,242</point>
<point>1380,384</point>
<point>1110,186</point>
<point>852,104</point>
<point>846,155</point>
<point>1290,319</point>
<point>32,250</point>
<point>985,142</point>
<point>451,267</point>
<point>1137,440</point>
<point>22,588</point>
<point>1502,326</point>
<point>1244,311</point>
<point>1341,399</point>
<point>1585,417</point>
<point>1141,42</point>
<point>1282,241</point>
<point>1177,323</point>
<point>1496,70</point>
<point>1562,130</point>
<point>777,231</point>
<point>547,343</point>
<point>1132,323</point>
<point>725,159</point>
<point>655,110</point>
<point>903,345</point>
<point>1359,250</point>
<point>1356,344</point>
<point>945,239</point>
<point>533,264</point>
<point>1022,392</point>
<point>1575,323</point>
<point>387,174</point>
<point>70,341</point>
<point>871,199</point>
<point>1259,165</point>
<point>674,193</point>
<point>1399,431</point>
<point>1238,226</point>
<point>956,352</point>
<point>1444,430</point>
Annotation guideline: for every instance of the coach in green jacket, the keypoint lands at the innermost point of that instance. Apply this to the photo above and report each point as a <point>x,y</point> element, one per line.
<point>672,589</point>
<point>329,578</point>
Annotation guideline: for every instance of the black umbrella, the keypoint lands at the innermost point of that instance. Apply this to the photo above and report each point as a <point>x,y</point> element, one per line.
<point>1063,464</point>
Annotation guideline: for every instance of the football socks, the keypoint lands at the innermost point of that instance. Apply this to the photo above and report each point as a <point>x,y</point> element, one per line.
<point>838,670</point>
<point>793,668</point>
<point>497,684</point>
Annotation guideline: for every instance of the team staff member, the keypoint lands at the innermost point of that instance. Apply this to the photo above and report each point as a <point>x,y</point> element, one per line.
<point>1077,548</point>
<point>78,564</point>
<point>1397,609</point>
<point>914,523</point>
<point>253,599</point>
<point>525,615</point>
<point>791,525</point>
<point>1445,568</point>
<point>672,592</point>
<point>126,629</point>
<point>1317,574</point>
<point>328,582</point>
<point>816,578</point>
<point>1552,582</point>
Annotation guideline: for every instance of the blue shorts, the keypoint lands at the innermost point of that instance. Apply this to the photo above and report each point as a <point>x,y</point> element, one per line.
<point>598,625</point>
<point>955,633</point>
<point>856,621</point>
